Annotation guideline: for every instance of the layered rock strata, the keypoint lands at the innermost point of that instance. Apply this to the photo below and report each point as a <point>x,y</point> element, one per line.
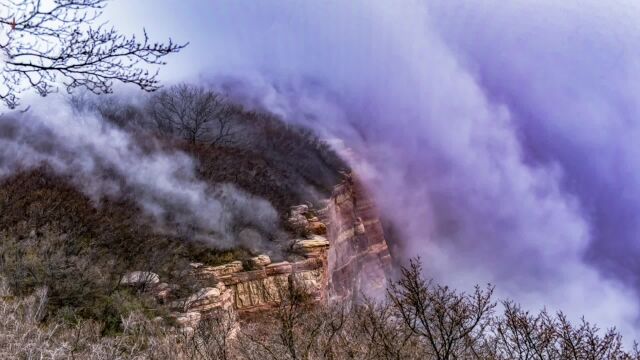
<point>358,258</point>
<point>341,253</point>
<point>264,287</point>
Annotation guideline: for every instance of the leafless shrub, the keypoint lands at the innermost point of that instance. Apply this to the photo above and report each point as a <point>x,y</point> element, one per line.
<point>521,335</point>
<point>392,329</point>
<point>289,333</point>
<point>212,339</point>
<point>296,330</point>
<point>381,334</point>
<point>450,323</point>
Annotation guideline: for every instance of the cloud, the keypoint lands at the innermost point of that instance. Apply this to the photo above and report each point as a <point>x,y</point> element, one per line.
<point>103,160</point>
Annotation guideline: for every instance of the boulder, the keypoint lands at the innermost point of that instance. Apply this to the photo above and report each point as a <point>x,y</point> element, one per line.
<point>140,278</point>
<point>162,291</point>
<point>318,228</point>
<point>315,242</point>
<point>219,271</point>
<point>316,246</point>
<point>208,299</point>
<point>187,320</point>
<point>298,223</point>
<point>204,294</point>
<point>259,261</point>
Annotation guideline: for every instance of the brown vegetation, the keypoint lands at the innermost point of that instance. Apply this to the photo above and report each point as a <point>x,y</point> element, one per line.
<point>426,321</point>
<point>283,163</point>
<point>53,235</point>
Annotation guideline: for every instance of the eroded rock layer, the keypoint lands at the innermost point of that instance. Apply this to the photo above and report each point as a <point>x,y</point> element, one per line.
<point>340,253</point>
<point>264,287</point>
<point>359,260</point>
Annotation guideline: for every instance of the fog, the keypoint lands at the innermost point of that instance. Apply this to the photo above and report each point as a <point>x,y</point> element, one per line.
<point>106,161</point>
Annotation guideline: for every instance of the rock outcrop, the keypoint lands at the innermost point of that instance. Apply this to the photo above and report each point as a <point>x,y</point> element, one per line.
<point>263,286</point>
<point>358,258</point>
<point>340,252</point>
<point>206,302</point>
<point>140,278</point>
<point>304,222</point>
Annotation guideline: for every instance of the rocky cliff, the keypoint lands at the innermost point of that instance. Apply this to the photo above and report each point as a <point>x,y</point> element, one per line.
<point>341,253</point>
<point>359,260</point>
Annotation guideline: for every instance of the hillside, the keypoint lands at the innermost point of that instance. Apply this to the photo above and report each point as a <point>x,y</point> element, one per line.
<point>56,235</point>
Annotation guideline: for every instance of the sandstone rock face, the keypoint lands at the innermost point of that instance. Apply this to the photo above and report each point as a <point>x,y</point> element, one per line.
<point>140,278</point>
<point>317,228</point>
<point>261,284</point>
<point>217,271</point>
<point>317,246</point>
<point>358,258</point>
<point>342,252</point>
<point>352,259</point>
<point>259,261</point>
<point>264,287</point>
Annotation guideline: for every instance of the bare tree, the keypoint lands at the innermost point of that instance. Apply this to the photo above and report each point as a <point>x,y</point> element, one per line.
<point>584,341</point>
<point>292,332</point>
<point>381,334</point>
<point>451,323</point>
<point>212,339</point>
<point>197,114</point>
<point>521,335</point>
<point>43,43</point>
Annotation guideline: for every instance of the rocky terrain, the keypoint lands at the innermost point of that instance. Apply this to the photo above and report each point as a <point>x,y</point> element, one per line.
<point>341,254</point>
<point>359,258</point>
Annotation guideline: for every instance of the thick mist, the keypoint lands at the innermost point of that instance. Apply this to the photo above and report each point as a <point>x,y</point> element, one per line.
<point>500,138</point>
<point>103,160</point>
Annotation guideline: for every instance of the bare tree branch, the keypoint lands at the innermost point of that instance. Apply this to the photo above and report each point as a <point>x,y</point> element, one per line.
<point>197,114</point>
<point>45,44</point>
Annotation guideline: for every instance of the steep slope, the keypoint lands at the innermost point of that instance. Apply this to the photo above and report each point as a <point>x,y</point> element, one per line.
<point>359,258</point>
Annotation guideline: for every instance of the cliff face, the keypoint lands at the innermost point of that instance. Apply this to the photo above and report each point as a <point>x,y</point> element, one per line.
<point>352,260</point>
<point>262,288</point>
<point>359,260</point>
<point>342,254</point>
